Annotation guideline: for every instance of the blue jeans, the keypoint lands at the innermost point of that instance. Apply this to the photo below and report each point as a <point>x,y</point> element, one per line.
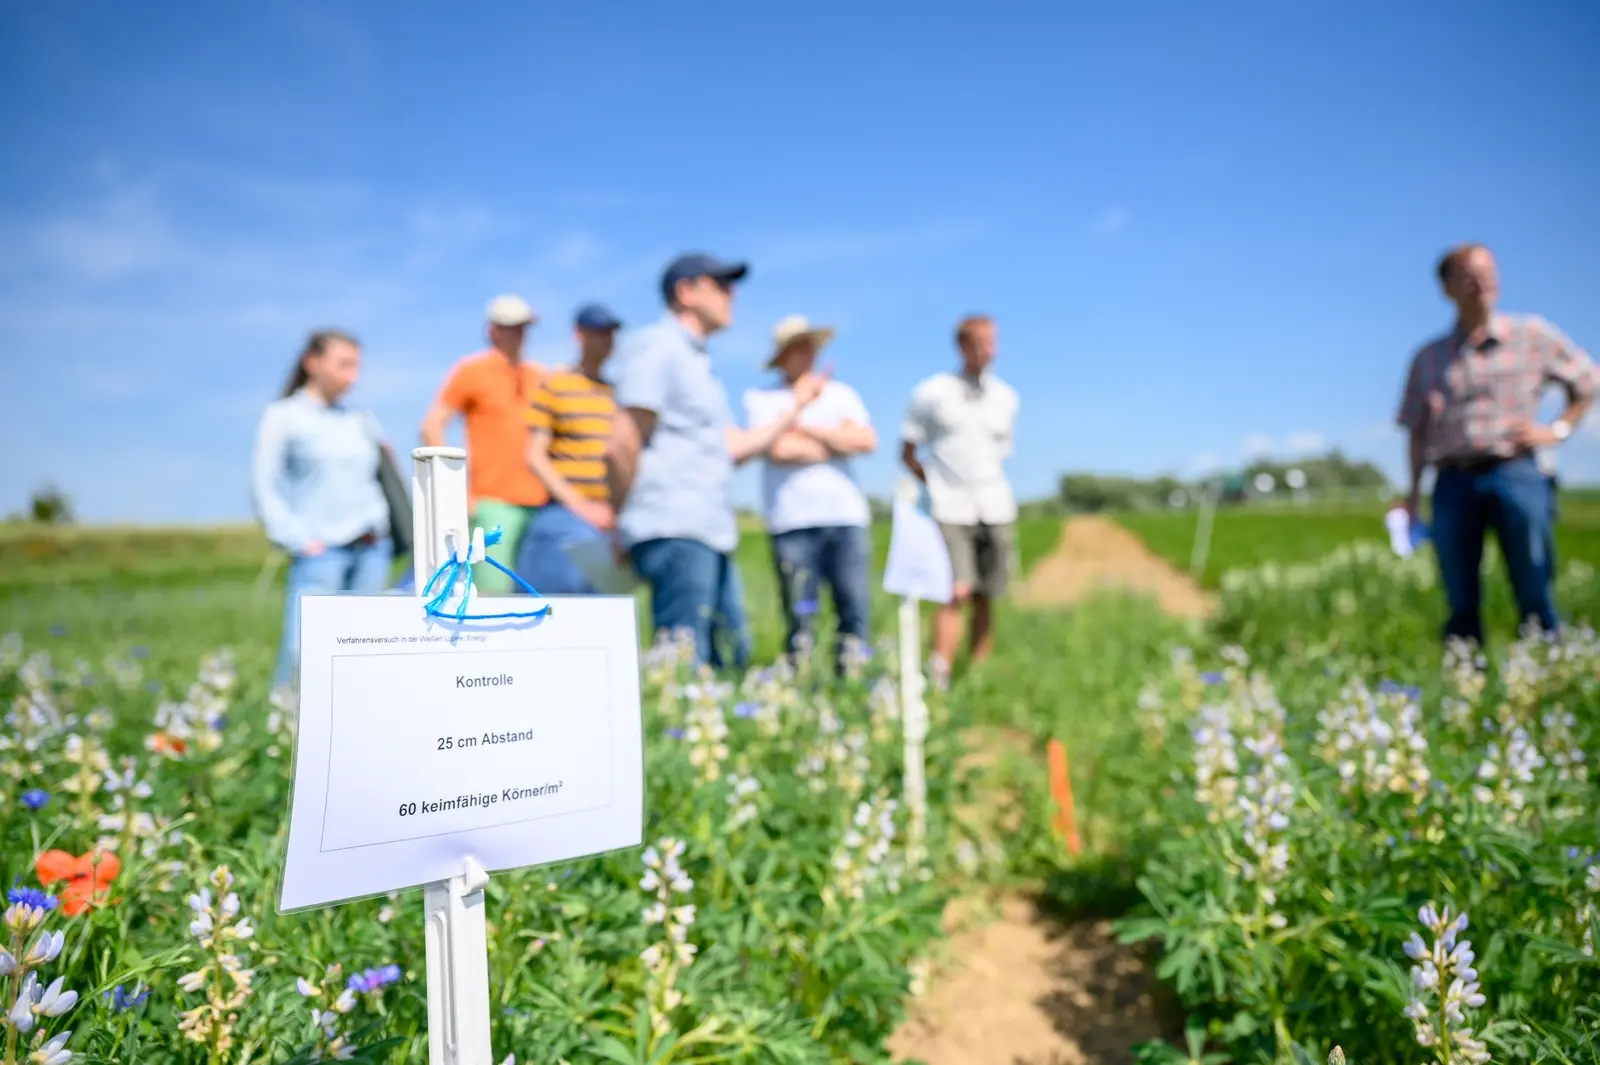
<point>696,587</point>
<point>363,569</point>
<point>540,558</point>
<point>1515,499</point>
<point>806,558</point>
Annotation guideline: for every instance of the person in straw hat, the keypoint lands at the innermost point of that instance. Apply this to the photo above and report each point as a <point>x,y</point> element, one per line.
<point>815,512</point>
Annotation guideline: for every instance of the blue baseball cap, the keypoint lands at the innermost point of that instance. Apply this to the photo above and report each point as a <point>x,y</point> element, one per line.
<point>598,317</point>
<point>697,264</point>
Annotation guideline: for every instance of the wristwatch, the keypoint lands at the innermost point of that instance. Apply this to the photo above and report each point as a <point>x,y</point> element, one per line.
<point>1560,429</point>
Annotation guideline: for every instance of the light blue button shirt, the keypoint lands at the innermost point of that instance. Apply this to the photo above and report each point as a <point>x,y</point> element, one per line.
<point>314,478</point>
<point>685,475</point>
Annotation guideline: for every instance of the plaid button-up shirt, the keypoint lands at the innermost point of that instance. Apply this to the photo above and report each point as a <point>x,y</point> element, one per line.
<point>1465,398</point>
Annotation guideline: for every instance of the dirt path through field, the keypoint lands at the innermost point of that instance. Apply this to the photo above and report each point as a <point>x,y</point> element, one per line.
<point>1015,985</point>
<point>1095,554</point>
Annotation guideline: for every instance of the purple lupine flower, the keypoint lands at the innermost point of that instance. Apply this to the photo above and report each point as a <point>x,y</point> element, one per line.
<point>805,608</point>
<point>369,980</point>
<point>218,722</point>
<point>141,651</point>
<point>1389,687</point>
<point>674,733</point>
<point>34,798</point>
<point>745,710</point>
<point>58,631</point>
<point>122,1000</point>
<point>1212,677</point>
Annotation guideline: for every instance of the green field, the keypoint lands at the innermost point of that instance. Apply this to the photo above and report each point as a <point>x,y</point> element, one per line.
<point>789,970</point>
<point>1248,536</point>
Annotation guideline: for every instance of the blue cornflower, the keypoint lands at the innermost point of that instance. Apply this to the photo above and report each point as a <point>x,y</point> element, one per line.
<point>369,980</point>
<point>1211,678</point>
<point>218,722</point>
<point>58,630</point>
<point>674,733</point>
<point>122,1000</point>
<point>34,798</point>
<point>27,896</point>
<point>745,710</point>
<point>805,608</point>
<point>141,651</point>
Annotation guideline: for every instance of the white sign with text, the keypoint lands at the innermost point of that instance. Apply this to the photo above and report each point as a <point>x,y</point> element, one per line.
<point>918,566</point>
<point>423,741</point>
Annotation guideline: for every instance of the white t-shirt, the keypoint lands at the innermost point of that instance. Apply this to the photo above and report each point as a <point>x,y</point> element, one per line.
<point>820,493</point>
<point>964,429</point>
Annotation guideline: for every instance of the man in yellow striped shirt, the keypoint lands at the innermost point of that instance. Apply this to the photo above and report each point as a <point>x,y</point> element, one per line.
<point>569,424</point>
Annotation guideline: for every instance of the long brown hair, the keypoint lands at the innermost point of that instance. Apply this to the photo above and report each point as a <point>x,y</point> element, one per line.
<point>316,344</point>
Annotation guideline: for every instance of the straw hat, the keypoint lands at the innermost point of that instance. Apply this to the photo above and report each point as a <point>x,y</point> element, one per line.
<point>793,328</point>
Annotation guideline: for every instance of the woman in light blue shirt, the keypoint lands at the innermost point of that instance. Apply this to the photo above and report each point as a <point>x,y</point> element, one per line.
<point>315,484</point>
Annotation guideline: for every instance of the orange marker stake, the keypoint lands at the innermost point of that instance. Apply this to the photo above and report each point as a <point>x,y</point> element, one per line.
<point>1066,819</point>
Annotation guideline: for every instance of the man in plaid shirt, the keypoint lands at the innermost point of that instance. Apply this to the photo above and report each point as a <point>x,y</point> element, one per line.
<point>1470,403</point>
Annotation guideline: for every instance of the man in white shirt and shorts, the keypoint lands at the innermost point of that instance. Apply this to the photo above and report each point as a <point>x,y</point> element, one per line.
<point>963,422</point>
<point>816,514</point>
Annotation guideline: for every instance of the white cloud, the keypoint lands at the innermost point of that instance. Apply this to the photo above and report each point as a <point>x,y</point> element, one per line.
<point>1258,446</point>
<point>1112,220</point>
<point>1309,442</point>
<point>1206,462</point>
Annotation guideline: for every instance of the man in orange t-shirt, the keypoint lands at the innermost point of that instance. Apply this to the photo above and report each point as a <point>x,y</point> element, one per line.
<point>491,391</point>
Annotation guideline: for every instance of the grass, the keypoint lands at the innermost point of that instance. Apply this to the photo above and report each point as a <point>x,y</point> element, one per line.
<point>125,585</point>
<point>1249,536</point>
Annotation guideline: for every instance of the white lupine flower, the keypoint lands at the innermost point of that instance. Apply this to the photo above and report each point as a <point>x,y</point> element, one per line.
<point>1436,1000</point>
<point>742,801</point>
<point>1509,764</point>
<point>213,1020</point>
<point>53,1052</point>
<point>1216,763</point>
<point>45,949</point>
<point>663,959</point>
<point>864,859</point>
<point>20,1016</point>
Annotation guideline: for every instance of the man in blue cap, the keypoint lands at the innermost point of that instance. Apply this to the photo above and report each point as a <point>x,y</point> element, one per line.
<point>569,424</point>
<point>672,457</point>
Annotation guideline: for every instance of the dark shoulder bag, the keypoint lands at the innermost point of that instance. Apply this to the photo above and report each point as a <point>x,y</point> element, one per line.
<point>395,494</point>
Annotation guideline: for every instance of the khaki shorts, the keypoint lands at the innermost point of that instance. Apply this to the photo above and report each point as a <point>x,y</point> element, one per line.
<point>980,557</point>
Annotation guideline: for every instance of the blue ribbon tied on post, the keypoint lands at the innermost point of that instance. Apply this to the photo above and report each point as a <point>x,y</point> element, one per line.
<point>457,567</point>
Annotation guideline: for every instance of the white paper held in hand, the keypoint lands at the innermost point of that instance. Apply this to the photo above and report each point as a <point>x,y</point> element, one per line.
<point>918,566</point>
<point>422,743</point>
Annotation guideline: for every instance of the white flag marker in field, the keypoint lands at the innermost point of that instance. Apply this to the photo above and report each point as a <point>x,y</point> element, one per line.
<point>918,569</point>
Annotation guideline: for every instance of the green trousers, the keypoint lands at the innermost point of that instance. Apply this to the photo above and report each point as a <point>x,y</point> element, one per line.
<point>513,520</point>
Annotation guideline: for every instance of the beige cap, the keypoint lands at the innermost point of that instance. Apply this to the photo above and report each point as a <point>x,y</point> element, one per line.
<point>795,327</point>
<point>510,310</point>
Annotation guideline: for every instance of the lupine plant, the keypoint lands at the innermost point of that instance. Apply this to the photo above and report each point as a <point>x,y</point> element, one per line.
<point>772,919</point>
<point>1377,786</point>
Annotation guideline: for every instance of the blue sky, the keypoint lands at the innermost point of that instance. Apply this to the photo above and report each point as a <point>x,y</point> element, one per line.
<point>1205,230</point>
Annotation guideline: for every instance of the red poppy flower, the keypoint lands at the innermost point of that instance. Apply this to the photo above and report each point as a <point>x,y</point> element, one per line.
<point>88,877</point>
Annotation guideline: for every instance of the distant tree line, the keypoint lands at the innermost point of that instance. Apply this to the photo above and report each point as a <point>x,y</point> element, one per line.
<point>1091,492</point>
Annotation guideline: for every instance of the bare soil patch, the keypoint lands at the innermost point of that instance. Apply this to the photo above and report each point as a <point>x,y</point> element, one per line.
<point>1097,555</point>
<point>1027,989</point>
<point>1015,985</point>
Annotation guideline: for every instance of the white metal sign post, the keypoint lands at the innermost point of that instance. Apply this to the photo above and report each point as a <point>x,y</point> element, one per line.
<point>457,940</point>
<point>918,569</point>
